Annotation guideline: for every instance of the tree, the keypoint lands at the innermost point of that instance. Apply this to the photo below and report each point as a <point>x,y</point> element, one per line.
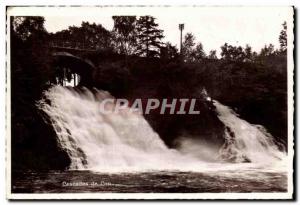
<point>95,36</point>
<point>27,28</point>
<point>248,53</point>
<point>267,50</point>
<point>188,47</point>
<point>224,52</point>
<point>233,53</point>
<point>283,38</point>
<point>169,52</point>
<point>212,54</point>
<point>237,53</point>
<point>30,68</point>
<point>124,33</point>
<point>148,37</point>
<point>87,36</point>
<point>199,53</point>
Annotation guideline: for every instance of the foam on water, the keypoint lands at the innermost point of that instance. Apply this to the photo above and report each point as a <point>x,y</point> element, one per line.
<point>124,141</point>
<point>244,141</point>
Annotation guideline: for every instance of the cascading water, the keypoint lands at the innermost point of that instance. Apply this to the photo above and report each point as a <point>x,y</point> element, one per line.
<point>124,141</point>
<point>244,141</point>
<point>115,141</point>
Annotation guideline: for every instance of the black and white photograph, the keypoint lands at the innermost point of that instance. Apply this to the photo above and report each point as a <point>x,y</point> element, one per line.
<point>149,102</point>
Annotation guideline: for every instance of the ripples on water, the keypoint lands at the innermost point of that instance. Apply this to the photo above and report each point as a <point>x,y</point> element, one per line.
<point>148,182</point>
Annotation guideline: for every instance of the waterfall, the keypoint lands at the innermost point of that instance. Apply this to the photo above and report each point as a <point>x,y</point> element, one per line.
<point>125,141</point>
<point>111,141</point>
<point>245,142</point>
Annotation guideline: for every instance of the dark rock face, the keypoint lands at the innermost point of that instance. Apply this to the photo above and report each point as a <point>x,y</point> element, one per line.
<point>35,146</point>
<point>205,126</point>
<point>144,78</point>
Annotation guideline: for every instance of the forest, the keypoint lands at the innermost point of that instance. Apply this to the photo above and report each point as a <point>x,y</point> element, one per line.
<point>132,60</point>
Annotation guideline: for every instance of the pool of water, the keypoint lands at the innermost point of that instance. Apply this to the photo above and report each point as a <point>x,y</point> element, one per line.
<point>148,182</point>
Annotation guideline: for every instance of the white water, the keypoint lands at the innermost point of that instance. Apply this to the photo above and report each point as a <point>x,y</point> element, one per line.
<point>126,142</point>
<point>245,141</point>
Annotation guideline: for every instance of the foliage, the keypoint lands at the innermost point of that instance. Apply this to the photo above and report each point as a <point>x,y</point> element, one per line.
<point>190,51</point>
<point>169,52</point>
<point>212,54</point>
<point>33,142</point>
<point>188,47</point>
<point>233,53</point>
<point>28,28</point>
<point>249,55</point>
<point>125,34</point>
<point>148,37</point>
<point>199,52</point>
<point>87,36</point>
<point>267,50</point>
<point>283,38</point>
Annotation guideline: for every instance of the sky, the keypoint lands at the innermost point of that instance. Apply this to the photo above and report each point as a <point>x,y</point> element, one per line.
<point>212,26</point>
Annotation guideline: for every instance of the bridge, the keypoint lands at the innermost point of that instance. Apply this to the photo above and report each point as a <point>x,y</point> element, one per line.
<point>72,65</point>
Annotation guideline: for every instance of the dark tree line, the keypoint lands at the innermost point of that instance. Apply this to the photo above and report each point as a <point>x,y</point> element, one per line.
<point>142,37</point>
<point>194,52</point>
<point>130,36</point>
<point>87,36</point>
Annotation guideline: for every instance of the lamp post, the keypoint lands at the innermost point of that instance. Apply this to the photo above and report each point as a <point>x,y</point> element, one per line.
<point>181,27</point>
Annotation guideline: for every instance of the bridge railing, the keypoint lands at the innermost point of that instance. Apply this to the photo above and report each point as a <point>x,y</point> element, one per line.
<point>71,45</point>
